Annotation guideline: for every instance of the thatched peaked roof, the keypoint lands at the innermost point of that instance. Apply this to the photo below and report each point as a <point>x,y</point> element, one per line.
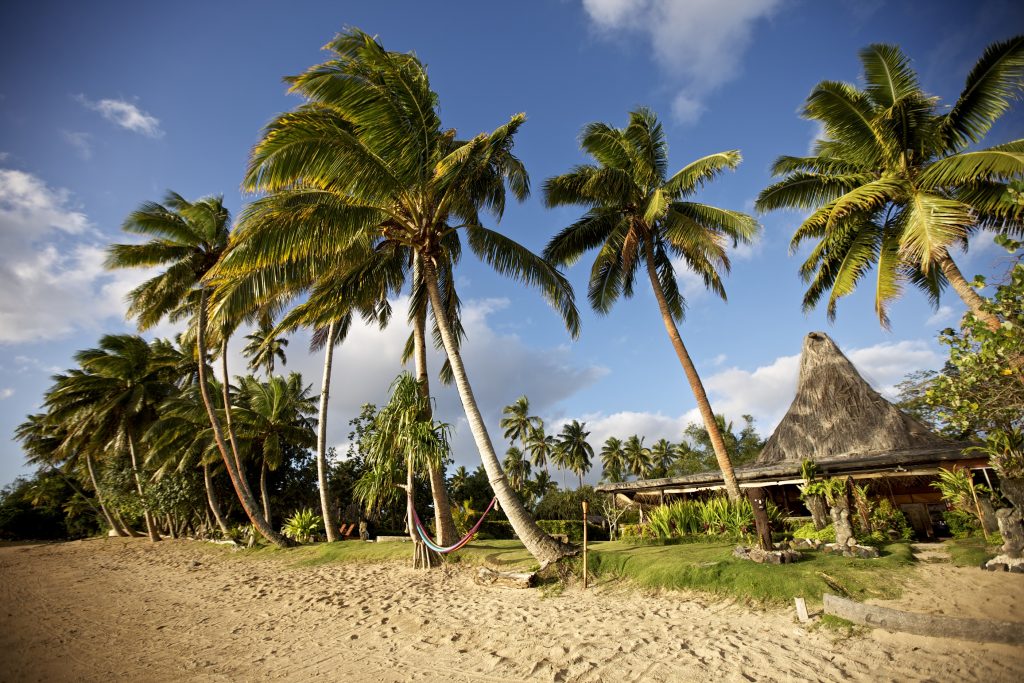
<point>837,414</point>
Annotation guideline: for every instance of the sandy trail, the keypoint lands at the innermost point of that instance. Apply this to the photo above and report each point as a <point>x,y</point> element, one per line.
<point>124,609</point>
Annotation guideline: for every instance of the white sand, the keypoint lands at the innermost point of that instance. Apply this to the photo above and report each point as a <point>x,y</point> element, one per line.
<point>125,609</point>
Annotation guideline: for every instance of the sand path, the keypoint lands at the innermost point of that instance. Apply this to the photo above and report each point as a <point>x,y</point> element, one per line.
<point>124,609</point>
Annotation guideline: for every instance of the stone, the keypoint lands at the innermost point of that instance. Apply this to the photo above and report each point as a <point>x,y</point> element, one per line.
<point>996,566</point>
<point>1011,527</point>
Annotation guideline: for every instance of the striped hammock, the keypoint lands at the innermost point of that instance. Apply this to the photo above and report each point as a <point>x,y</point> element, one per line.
<point>463,541</point>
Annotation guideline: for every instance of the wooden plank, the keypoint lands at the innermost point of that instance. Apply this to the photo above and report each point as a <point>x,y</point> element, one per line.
<point>801,610</point>
<point>980,630</point>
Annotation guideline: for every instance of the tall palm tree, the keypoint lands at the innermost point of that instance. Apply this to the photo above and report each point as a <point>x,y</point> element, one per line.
<point>187,238</point>
<point>540,446</point>
<point>892,185</point>
<point>638,458</point>
<point>271,415</point>
<point>365,163</point>
<point>111,401</point>
<point>635,217</point>
<point>543,485</point>
<point>613,459</point>
<point>576,453</point>
<point>265,347</point>
<point>662,455</point>
<point>517,421</point>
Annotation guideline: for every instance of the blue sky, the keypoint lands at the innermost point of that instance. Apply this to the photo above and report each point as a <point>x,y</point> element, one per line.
<point>106,105</point>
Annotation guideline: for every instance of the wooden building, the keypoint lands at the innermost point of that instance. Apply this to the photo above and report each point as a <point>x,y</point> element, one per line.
<point>846,428</point>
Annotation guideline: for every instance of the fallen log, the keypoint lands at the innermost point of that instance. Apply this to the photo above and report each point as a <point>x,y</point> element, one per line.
<point>490,577</point>
<point>981,630</point>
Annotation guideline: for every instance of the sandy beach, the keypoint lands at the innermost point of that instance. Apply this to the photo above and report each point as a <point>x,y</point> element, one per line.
<point>125,609</point>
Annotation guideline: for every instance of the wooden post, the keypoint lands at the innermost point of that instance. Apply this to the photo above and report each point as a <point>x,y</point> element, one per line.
<point>585,545</point>
<point>757,497</point>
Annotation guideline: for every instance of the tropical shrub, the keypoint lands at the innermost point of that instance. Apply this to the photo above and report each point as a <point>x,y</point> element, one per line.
<point>303,526</point>
<point>632,530</point>
<point>961,524</point>
<point>889,520</point>
<point>826,535</point>
<point>713,517</point>
<point>956,489</point>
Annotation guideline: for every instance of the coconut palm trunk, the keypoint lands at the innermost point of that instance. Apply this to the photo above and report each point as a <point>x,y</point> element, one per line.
<point>330,524</point>
<point>731,486</point>
<point>211,499</point>
<point>237,479</point>
<point>443,522</point>
<point>226,391</point>
<point>544,548</point>
<point>99,498</point>
<point>265,498</point>
<point>964,290</point>
<point>154,535</point>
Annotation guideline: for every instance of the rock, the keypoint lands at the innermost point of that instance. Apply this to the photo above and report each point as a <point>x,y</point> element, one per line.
<point>996,566</point>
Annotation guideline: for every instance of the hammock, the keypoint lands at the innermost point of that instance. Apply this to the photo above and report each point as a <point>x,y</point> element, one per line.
<point>463,541</point>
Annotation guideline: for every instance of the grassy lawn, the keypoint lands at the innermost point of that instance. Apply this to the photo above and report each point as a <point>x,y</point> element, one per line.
<point>706,566</point>
<point>970,552</point>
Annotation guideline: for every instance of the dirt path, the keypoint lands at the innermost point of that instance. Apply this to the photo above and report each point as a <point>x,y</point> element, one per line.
<point>124,609</point>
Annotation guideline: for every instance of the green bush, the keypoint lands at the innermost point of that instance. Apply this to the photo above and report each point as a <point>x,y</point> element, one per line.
<point>961,524</point>
<point>886,517</point>
<point>303,526</point>
<point>715,516</point>
<point>573,529</point>
<point>632,530</point>
<point>827,535</point>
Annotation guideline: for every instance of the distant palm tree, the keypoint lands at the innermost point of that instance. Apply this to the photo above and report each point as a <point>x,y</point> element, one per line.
<point>893,185</point>
<point>459,479</point>
<point>517,421</point>
<point>576,453</point>
<point>111,401</point>
<point>265,347</point>
<point>613,460</point>
<point>540,446</point>
<point>187,238</point>
<point>516,467</point>
<point>543,485</point>
<point>638,458</point>
<point>637,217</point>
<point>663,453</point>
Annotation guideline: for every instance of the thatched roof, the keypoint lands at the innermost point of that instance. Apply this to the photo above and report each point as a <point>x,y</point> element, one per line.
<point>837,414</point>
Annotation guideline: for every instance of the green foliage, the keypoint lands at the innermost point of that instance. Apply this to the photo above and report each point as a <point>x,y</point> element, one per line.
<point>303,526</point>
<point>1005,449</point>
<point>962,524</point>
<point>573,529</point>
<point>826,535</point>
<point>44,506</point>
<point>981,388</point>
<point>567,504</point>
<point>886,518</point>
<point>716,516</point>
<point>743,447</point>
<point>955,487</point>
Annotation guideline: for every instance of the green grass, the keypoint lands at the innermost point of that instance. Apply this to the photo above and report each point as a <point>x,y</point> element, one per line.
<point>711,568</point>
<point>970,552</point>
<point>708,567</point>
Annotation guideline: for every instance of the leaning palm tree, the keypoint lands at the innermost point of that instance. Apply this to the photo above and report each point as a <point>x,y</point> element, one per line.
<point>366,164</point>
<point>265,347</point>
<point>187,238</point>
<point>110,402</point>
<point>636,217</point>
<point>892,184</point>
<point>613,459</point>
<point>576,453</point>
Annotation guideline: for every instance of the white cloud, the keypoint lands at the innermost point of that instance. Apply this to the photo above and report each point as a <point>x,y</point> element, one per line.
<point>80,141</point>
<point>52,268</point>
<point>6,393</point>
<point>699,43</point>
<point>124,114</point>
<point>940,316</point>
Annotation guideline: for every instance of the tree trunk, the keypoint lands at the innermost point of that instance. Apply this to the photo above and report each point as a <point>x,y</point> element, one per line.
<point>99,498</point>
<point>237,480</point>
<point>226,391</point>
<point>819,513</point>
<point>127,529</point>
<point>263,494</point>
<point>154,536</point>
<point>330,524</point>
<point>211,498</point>
<point>964,290</point>
<point>544,548</point>
<point>724,463</point>
<point>444,525</point>
<point>758,500</point>
<point>170,527</point>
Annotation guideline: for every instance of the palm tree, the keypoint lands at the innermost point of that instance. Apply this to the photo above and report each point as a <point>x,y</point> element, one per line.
<point>892,185</point>
<point>111,401</point>
<point>636,216</point>
<point>638,458</point>
<point>366,164</point>
<point>613,460</point>
<point>517,468</point>
<point>459,479</point>
<point>187,238</point>
<point>540,446</point>
<point>662,455</point>
<point>271,415</point>
<point>518,423</point>
<point>265,347</point>
<point>576,453</point>
<point>543,485</point>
